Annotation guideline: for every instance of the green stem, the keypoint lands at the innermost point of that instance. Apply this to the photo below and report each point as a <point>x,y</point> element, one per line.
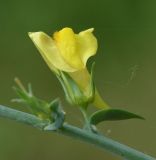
<point>83,135</point>
<point>22,117</point>
<point>84,113</point>
<point>105,143</point>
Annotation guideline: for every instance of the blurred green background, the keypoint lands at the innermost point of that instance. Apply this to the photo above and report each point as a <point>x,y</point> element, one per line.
<point>125,72</point>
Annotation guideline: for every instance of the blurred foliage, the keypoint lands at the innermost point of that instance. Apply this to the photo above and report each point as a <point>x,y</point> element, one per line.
<point>125,71</point>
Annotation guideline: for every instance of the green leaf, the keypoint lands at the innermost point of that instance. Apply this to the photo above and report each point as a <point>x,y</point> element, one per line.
<point>112,115</point>
<point>52,111</point>
<point>37,106</point>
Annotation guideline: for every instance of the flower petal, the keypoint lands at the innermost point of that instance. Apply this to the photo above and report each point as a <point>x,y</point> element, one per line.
<point>66,42</point>
<point>82,78</point>
<point>87,44</point>
<point>50,52</point>
<point>99,102</point>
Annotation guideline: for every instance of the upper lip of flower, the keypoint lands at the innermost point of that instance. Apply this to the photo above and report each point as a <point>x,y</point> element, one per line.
<point>67,51</point>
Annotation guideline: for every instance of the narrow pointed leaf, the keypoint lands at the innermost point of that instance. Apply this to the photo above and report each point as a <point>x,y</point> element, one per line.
<point>112,115</point>
<point>36,106</point>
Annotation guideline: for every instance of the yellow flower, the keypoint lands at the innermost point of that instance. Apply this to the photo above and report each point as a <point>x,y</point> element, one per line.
<point>69,52</point>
